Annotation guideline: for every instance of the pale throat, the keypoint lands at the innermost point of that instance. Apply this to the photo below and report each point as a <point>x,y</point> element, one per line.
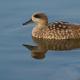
<point>39,28</point>
<point>41,25</point>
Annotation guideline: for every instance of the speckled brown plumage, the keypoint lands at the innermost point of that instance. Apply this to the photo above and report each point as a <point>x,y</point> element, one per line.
<point>58,30</point>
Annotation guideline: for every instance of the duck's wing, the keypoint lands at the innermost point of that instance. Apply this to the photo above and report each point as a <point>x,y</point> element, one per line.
<point>62,25</point>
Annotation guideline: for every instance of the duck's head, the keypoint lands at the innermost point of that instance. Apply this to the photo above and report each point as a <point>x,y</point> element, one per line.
<point>39,18</point>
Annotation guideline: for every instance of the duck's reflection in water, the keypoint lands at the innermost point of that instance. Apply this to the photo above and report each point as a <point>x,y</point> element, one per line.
<point>39,51</point>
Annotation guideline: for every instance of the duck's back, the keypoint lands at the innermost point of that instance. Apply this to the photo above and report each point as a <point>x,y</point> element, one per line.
<point>58,30</point>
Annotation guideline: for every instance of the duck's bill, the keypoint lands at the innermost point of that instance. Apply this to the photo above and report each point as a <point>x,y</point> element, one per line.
<point>30,21</point>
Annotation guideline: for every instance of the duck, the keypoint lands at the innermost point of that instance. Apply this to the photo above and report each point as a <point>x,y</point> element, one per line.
<point>57,30</point>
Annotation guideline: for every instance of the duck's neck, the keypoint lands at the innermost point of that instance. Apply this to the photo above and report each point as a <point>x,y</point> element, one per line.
<point>41,26</point>
<point>38,29</point>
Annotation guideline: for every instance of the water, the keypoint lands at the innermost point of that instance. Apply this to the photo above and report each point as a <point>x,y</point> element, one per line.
<point>16,62</point>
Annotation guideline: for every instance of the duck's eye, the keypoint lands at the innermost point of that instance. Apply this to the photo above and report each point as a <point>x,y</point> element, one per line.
<point>37,16</point>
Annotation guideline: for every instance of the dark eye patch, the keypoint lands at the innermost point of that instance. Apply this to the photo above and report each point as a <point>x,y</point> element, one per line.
<point>37,16</point>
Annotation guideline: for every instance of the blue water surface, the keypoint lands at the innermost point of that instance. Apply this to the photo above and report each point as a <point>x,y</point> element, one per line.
<point>16,62</point>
